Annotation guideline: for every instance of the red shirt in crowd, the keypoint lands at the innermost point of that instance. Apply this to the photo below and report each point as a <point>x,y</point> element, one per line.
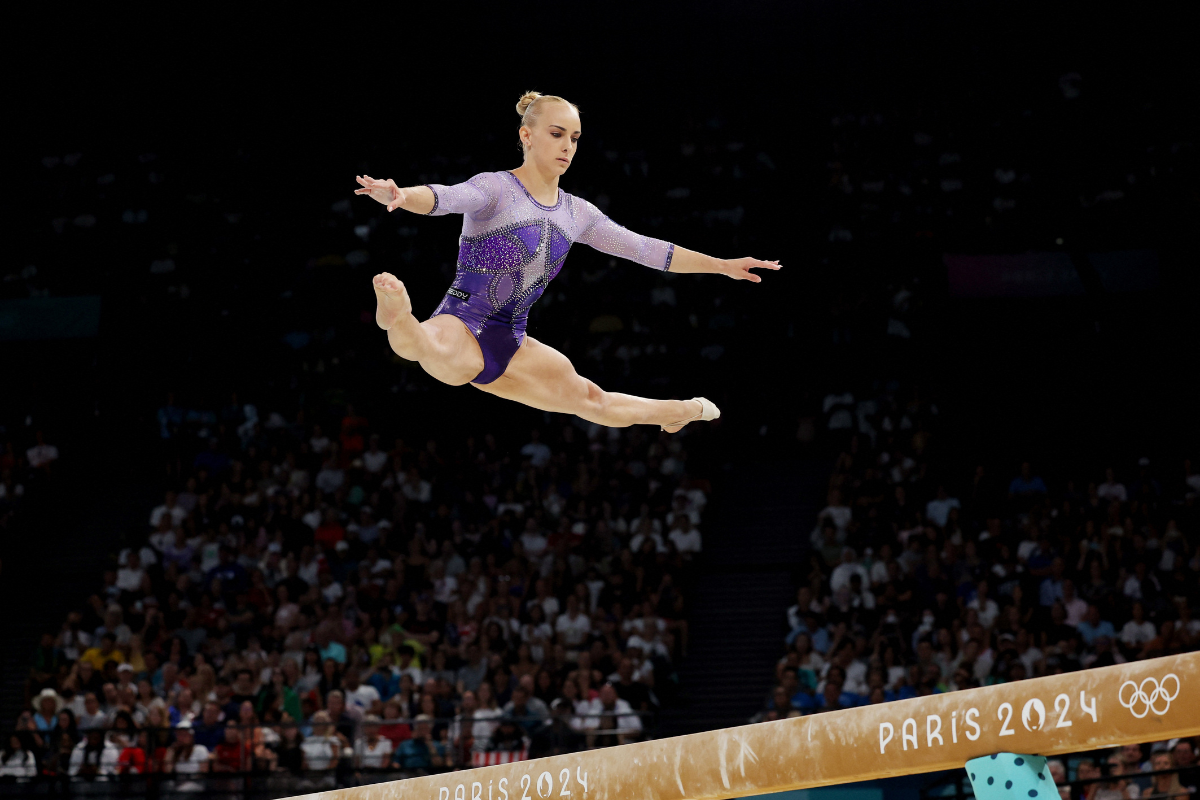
<point>329,534</point>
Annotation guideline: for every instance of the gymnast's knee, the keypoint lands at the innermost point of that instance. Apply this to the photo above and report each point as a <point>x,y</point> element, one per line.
<point>595,402</point>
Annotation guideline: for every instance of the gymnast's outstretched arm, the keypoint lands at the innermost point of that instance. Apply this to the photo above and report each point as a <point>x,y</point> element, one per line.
<point>607,236</point>
<point>737,268</point>
<point>417,199</point>
<point>476,197</point>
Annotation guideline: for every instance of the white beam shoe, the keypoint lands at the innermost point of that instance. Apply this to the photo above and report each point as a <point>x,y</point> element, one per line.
<point>708,412</point>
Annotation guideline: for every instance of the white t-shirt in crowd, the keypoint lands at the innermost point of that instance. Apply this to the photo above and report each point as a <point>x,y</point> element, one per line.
<point>549,604</point>
<point>1030,658</point>
<point>988,611</point>
<point>686,542</point>
<point>309,572</point>
<point>374,756</point>
<point>626,721</point>
<point>147,553</point>
<point>1134,633</point>
<point>41,454</point>
<point>210,555</point>
<point>856,677</point>
<point>534,543</point>
<point>635,544</point>
<point>321,752</point>
<point>418,491</point>
<point>648,628</point>
<point>649,646</point>
<point>539,454</point>
<point>374,462</point>
<point>21,764</point>
<point>696,498</point>
<point>1076,609</point>
<point>938,511</point>
<point>445,590</point>
<point>330,478</point>
<point>1025,549</point>
<point>105,761</point>
<point>176,511</point>
<point>130,580</point>
<point>193,763</point>
<point>1133,588</point>
<point>362,697</point>
<point>842,572</point>
<point>839,515</point>
<point>572,632</point>
<point>655,524</point>
<point>333,592</point>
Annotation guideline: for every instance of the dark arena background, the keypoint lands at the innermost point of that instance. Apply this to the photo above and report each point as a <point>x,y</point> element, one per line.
<point>246,550</point>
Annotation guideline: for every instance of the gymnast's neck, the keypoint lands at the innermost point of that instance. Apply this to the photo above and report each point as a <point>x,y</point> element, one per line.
<point>539,184</point>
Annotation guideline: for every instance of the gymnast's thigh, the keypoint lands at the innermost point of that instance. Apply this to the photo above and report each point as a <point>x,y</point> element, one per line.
<point>454,355</point>
<point>541,377</point>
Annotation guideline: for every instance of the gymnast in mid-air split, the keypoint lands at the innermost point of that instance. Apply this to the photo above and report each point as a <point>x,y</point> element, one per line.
<point>517,228</point>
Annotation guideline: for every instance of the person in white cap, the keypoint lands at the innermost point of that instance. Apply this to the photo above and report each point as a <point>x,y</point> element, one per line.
<point>46,706</point>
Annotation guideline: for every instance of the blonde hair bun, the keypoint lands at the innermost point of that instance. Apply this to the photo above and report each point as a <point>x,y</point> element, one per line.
<point>526,101</point>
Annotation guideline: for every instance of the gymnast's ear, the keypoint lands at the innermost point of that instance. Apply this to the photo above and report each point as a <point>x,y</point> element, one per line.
<point>527,118</point>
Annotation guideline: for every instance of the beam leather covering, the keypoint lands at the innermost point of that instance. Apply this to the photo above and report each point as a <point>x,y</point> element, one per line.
<point>1137,702</point>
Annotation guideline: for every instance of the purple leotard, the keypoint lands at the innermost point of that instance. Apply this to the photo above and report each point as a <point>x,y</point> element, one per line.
<point>511,247</point>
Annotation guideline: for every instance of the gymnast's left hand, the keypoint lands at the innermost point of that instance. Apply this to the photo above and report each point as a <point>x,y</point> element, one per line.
<point>739,268</point>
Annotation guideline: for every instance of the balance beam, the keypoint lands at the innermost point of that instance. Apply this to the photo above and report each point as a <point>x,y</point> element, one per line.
<point>1129,703</point>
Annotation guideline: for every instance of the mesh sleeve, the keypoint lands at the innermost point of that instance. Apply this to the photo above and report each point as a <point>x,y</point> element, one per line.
<point>607,236</point>
<point>476,197</point>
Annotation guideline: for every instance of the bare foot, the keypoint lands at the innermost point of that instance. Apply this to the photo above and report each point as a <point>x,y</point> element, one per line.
<point>673,428</point>
<point>392,298</point>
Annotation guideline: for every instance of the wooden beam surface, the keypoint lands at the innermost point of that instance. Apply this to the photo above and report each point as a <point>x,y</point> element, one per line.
<point>1137,702</point>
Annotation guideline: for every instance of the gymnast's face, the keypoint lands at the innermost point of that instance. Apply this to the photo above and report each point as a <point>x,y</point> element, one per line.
<point>551,143</point>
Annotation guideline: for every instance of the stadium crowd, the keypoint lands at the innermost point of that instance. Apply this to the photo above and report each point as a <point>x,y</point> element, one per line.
<point>315,599</point>
<point>919,580</point>
<point>306,600</point>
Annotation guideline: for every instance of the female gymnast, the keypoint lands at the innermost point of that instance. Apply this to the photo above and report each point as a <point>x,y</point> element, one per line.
<point>517,228</point>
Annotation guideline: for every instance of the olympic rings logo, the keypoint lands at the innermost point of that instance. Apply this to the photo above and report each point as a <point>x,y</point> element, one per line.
<point>1140,700</point>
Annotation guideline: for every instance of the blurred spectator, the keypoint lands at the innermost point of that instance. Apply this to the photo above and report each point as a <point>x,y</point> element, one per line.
<point>1165,785</point>
<point>610,720</point>
<point>372,751</point>
<point>17,757</point>
<point>420,753</point>
<point>94,757</point>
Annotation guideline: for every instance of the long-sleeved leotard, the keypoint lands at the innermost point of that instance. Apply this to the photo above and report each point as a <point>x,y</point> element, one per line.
<point>511,247</point>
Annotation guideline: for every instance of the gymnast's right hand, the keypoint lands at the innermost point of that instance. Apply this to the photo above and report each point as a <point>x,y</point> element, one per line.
<point>386,192</point>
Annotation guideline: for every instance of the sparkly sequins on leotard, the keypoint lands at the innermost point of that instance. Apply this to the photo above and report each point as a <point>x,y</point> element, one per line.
<point>511,247</point>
